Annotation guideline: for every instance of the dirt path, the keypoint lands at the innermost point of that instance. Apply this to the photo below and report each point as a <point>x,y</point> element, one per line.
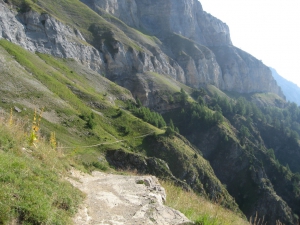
<point>118,199</point>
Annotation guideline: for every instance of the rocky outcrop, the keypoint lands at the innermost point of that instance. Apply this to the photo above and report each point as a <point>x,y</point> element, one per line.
<point>43,33</point>
<point>144,165</point>
<point>243,73</point>
<point>119,199</point>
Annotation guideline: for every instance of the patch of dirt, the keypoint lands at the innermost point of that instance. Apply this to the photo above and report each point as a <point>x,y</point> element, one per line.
<point>119,199</point>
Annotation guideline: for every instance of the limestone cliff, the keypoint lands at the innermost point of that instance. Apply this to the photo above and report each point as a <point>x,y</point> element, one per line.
<point>243,73</point>
<point>159,17</point>
<point>193,48</point>
<point>227,67</point>
<point>43,33</point>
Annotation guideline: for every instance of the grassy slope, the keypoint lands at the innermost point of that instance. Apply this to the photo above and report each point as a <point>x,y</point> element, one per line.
<point>208,214</point>
<point>66,104</point>
<point>45,83</point>
<point>187,164</point>
<point>31,181</point>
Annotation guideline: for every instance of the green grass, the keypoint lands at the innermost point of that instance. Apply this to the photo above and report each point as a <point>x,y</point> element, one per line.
<point>71,103</point>
<point>26,5</point>
<point>33,190</point>
<point>133,33</point>
<point>47,76</point>
<point>214,91</point>
<point>165,85</point>
<point>198,209</point>
<point>183,158</point>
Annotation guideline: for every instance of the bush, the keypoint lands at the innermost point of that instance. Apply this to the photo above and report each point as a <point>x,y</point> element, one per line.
<point>147,115</point>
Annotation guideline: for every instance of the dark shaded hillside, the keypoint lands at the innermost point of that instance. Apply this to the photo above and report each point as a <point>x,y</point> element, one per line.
<point>239,148</point>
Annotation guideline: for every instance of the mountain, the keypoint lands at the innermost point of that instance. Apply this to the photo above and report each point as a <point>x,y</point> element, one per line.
<point>194,53</point>
<point>153,87</point>
<point>290,90</point>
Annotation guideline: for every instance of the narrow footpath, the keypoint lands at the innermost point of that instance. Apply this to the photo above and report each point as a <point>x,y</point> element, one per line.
<point>119,199</point>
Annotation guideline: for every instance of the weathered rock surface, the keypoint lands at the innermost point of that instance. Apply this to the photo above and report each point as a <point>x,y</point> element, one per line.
<point>119,199</point>
<point>181,53</point>
<point>160,17</point>
<point>227,67</point>
<point>243,73</point>
<point>45,34</point>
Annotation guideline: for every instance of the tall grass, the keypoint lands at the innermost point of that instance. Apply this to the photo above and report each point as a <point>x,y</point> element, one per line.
<point>33,190</point>
<point>198,209</point>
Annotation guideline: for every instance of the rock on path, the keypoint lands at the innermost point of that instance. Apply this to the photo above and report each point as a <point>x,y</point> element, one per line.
<point>118,199</point>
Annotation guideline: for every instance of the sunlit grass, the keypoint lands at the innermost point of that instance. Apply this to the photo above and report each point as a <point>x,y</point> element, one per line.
<point>198,209</point>
<point>33,189</point>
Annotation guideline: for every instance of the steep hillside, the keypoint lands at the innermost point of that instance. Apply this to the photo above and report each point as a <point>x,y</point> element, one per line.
<point>88,114</point>
<point>290,90</point>
<point>240,150</point>
<point>33,190</point>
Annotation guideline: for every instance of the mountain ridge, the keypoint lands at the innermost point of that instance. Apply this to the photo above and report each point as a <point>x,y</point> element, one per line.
<point>290,89</point>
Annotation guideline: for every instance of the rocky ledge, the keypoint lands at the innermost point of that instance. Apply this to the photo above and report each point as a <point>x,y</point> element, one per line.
<point>119,199</point>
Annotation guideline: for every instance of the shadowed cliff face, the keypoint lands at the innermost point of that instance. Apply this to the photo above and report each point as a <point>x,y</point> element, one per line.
<point>160,17</point>
<point>243,73</point>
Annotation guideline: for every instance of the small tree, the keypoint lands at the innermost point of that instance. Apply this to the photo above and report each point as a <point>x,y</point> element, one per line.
<point>171,124</point>
<point>244,132</point>
<point>138,102</point>
<point>170,129</point>
<point>183,96</point>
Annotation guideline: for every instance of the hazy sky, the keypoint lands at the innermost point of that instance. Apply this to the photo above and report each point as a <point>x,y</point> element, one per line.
<point>267,29</point>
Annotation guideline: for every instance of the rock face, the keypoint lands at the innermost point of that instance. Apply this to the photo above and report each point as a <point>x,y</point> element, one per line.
<point>160,17</point>
<point>243,73</point>
<point>119,199</point>
<point>45,34</point>
<point>194,48</point>
<point>227,67</point>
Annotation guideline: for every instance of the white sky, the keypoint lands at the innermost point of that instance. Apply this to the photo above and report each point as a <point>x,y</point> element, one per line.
<point>267,29</point>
